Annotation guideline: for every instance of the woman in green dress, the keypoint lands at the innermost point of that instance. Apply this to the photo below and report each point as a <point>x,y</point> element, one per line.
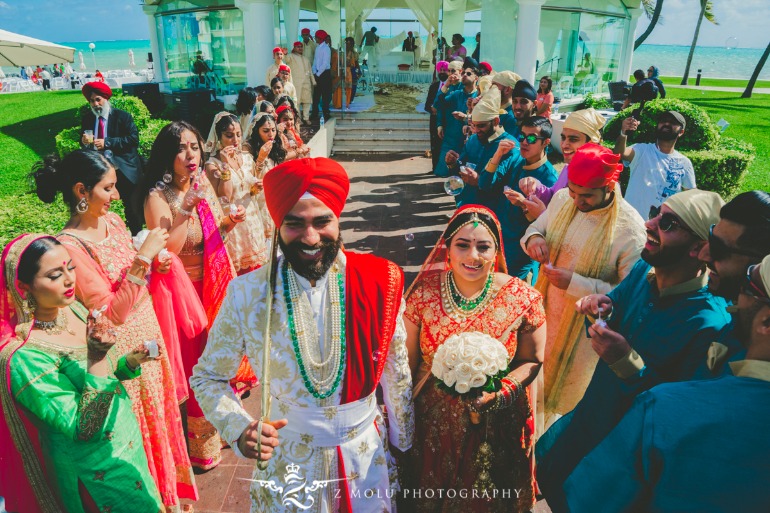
<point>68,437</point>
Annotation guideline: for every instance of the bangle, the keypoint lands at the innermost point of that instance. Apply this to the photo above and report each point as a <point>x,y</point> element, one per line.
<point>143,260</point>
<point>184,212</point>
<point>137,281</point>
<point>231,219</point>
<point>225,176</point>
<point>623,133</point>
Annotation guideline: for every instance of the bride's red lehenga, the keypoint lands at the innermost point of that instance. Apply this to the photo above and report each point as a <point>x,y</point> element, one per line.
<point>446,442</point>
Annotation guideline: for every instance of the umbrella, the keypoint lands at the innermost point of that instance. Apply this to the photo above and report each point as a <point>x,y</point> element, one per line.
<point>131,58</point>
<point>82,62</point>
<point>17,50</point>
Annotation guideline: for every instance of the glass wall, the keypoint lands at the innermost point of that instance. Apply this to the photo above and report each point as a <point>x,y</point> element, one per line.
<point>580,51</point>
<point>203,48</point>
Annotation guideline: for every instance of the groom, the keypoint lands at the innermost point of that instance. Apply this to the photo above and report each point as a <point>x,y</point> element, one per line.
<point>336,334</point>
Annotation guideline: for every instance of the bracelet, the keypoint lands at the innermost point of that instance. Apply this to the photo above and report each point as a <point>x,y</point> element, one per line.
<point>143,261</point>
<point>184,212</point>
<point>225,176</point>
<point>135,280</point>
<point>623,133</point>
<point>231,219</point>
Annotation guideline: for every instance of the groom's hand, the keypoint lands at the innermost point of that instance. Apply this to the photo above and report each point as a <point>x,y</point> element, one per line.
<point>247,442</point>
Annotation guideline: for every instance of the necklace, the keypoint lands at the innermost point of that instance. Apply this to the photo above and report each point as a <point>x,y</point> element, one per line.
<point>321,376</point>
<point>54,327</point>
<point>459,306</point>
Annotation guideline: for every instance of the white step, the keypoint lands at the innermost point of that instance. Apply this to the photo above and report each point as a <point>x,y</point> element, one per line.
<point>416,147</point>
<point>381,136</point>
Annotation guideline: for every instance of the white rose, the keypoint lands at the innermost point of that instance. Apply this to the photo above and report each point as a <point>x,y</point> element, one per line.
<point>451,358</point>
<point>450,378</point>
<point>462,387</point>
<point>478,380</point>
<point>464,372</point>
<point>469,352</point>
<point>478,363</point>
<point>491,368</point>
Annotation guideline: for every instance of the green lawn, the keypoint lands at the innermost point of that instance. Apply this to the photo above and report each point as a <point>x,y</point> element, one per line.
<point>714,82</point>
<point>749,121</point>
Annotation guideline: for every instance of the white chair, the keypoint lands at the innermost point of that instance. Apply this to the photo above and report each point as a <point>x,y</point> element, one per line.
<point>564,86</point>
<point>589,84</point>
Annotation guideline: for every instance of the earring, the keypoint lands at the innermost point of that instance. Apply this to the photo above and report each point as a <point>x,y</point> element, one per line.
<point>28,306</point>
<point>82,206</point>
<point>167,177</point>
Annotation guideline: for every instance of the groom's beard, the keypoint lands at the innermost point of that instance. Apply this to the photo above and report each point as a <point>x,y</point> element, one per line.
<point>314,270</point>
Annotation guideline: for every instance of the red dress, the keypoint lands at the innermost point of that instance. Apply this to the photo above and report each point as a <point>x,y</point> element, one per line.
<point>446,441</point>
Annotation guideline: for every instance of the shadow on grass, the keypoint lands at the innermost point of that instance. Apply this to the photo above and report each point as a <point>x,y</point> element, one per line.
<point>39,134</point>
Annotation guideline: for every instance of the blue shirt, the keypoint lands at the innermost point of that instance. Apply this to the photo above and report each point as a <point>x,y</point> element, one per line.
<point>671,330</point>
<point>476,152</point>
<point>510,123</point>
<point>512,220</point>
<point>454,139</point>
<point>692,447</point>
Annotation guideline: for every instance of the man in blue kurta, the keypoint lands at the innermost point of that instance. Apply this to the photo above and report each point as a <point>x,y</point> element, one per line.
<point>505,81</point>
<point>535,137</point>
<point>454,105</point>
<point>522,106</point>
<point>489,143</point>
<point>662,321</point>
<point>696,446</point>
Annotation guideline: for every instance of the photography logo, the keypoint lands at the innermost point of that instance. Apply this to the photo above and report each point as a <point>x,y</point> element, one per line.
<point>295,490</point>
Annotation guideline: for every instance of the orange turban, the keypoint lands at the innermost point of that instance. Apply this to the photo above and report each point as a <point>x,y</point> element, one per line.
<point>286,183</point>
<point>594,166</point>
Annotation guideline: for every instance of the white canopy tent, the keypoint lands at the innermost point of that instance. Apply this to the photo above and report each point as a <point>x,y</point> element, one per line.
<point>18,50</point>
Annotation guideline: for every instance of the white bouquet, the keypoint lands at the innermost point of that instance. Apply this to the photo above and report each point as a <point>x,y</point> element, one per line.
<point>469,361</point>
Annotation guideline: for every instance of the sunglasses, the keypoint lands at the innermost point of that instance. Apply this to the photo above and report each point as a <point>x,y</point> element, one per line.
<point>469,73</point>
<point>668,221</point>
<point>752,289</point>
<point>719,250</point>
<point>531,138</point>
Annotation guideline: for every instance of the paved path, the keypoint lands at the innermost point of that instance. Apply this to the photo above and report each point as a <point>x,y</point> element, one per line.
<point>757,90</point>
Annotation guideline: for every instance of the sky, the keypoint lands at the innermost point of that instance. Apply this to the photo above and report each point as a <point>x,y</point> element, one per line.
<point>69,20</point>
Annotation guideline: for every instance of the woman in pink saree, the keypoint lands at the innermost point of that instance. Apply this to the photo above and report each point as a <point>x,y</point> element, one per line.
<point>112,278</point>
<point>179,198</point>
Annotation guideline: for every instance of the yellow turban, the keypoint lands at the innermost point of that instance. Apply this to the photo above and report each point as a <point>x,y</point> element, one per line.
<point>586,121</point>
<point>484,83</point>
<point>697,209</point>
<point>506,78</point>
<point>764,273</point>
<point>456,66</point>
<point>488,107</point>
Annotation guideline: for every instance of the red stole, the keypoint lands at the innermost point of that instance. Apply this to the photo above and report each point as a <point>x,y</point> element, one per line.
<point>373,288</point>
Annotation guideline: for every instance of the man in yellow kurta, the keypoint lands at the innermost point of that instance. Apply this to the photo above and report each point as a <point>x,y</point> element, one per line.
<point>302,76</point>
<point>272,70</point>
<point>588,239</point>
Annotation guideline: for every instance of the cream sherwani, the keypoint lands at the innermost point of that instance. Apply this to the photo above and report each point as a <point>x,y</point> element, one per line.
<point>272,72</point>
<point>302,76</point>
<point>316,426</point>
<point>625,251</point>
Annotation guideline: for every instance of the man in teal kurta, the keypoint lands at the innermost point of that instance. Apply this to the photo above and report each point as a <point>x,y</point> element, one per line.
<point>662,323</point>
<point>489,144</point>
<point>532,161</point>
<point>453,105</point>
<point>521,108</point>
<point>696,446</point>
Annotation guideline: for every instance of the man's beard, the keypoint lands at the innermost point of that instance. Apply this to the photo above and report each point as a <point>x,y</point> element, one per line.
<point>104,110</point>
<point>311,270</point>
<point>666,135</point>
<point>666,256</point>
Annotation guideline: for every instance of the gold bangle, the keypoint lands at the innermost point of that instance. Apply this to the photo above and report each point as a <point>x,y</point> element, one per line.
<point>137,281</point>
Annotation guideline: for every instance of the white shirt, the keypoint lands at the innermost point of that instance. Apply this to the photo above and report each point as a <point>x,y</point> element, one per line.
<point>317,298</point>
<point>655,176</point>
<point>323,59</point>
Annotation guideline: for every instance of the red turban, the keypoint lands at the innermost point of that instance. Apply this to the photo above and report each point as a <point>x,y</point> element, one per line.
<point>321,34</point>
<point>298,44</point>
<point>487,66</point>
<point>305,31</point>
<point>277,49</point>
<point>284,67</point>
<point>100,88</point>
<point>285,184</point>
<point>594,166</point>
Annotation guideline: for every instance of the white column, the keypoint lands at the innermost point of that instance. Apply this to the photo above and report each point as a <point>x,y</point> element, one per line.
<point>627,53</point>
<point>158,56</point>
<point>258,36</point>
<point>291,20</point>
<point>454,23</point>
<point>527,38</point>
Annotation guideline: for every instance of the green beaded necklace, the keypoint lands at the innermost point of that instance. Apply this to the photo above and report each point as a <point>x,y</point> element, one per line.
<point>338,331</point>
<point>469,304</point>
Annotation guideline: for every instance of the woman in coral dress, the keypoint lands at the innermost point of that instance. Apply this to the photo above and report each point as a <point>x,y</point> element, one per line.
<point>111,274</point>
<point>462,288</point>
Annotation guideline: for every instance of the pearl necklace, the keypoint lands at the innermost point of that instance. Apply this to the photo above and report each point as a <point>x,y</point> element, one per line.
<point>54,327</point>
<point>321,376</point>
<point>466,306</point>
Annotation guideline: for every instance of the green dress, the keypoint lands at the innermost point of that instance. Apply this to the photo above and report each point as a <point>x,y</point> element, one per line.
<point>88,432</point>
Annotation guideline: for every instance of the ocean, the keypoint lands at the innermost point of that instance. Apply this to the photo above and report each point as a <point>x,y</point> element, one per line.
<point>716,62</point>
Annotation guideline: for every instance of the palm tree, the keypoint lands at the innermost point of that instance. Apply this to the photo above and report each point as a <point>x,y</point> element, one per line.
<point>755,75</point>
<point>652,9</point>
<point>706,11</point>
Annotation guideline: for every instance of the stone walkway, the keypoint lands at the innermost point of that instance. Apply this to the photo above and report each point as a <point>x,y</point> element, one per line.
<point>396,210</point>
